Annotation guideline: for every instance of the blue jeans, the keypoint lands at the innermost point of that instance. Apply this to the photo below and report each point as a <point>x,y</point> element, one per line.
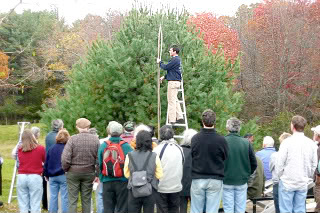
<point>58,183</point>
<point>292,200</point>
<point>234,198</point>
<point>29,190</point>
<point>207,191</point>
<point>276,197</point>
<point>99,198</point>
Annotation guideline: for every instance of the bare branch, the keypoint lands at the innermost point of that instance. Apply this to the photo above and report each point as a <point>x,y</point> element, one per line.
<point>11,11</point>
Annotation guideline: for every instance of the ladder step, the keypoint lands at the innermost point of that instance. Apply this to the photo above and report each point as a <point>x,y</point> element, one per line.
<point>175,125</point>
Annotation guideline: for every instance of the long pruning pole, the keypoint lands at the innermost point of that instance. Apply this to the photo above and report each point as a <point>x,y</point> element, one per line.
<point>160,39</point>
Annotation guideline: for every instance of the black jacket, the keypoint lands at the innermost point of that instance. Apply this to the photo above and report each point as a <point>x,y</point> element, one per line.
<point>173,69</point>
<point>187,167</point>
<point>209,151</point>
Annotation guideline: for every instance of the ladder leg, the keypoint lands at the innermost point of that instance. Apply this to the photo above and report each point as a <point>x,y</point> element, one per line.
<point>12,182</point>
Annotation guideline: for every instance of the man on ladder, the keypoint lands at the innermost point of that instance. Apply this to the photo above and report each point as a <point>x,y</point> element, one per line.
<point>174,78</point>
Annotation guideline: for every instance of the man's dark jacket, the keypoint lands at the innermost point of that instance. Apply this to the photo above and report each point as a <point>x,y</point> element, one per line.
<point>241,162</point>
<point>209,150</point>
<point>186,178</point>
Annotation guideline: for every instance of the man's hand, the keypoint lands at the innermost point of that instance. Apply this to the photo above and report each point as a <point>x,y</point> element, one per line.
<point>158,60</point>
<point>161,79</point>
<point>96,180</point>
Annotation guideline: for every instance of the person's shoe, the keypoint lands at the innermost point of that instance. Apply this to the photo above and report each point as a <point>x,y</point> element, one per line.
<point>172,123</point>
<point>1,203</point>
<point>180,121</point>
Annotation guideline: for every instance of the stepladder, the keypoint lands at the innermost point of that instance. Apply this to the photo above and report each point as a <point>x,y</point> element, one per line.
<point>22,127</point>
<point>181,101</point>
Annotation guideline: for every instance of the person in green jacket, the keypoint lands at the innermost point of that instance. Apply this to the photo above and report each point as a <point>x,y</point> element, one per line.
<point>241,163</point>
<point>256,181</point>
<point>115,192</point>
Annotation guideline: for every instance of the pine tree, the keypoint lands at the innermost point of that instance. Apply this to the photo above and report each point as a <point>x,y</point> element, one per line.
<point>118,80</point>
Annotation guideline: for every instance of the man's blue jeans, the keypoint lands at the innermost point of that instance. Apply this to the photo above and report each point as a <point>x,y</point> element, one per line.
<point>99,198</point>
<point>234,198</point>
<point>292,200</point>
<point>58,183</point>
<point>29,189</point>
<point>207,191</point>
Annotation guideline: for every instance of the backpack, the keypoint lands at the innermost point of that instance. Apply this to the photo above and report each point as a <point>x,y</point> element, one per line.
<point>113,159</point>
<point>141,187</point>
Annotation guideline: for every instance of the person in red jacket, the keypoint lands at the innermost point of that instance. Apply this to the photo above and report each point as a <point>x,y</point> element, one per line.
<point>31,157</point>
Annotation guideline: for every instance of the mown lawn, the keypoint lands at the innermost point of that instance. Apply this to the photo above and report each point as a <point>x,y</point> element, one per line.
<point>9,135</point>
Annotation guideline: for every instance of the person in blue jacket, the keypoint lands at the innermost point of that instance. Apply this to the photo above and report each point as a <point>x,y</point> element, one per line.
<point>174,77</point>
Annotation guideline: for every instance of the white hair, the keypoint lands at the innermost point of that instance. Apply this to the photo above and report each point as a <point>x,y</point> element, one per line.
<point>36,132</point>
<point>233,125</point>
<point>139,128</point>
<point>187,136</point>
<point>268,141</point>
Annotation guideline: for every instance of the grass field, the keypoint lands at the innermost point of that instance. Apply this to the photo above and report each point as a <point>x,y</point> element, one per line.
<point>9,135</point>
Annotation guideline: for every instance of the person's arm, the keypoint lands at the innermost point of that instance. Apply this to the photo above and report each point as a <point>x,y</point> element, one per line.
<point>314,162</point>
<point>14,152</point>
<point>43,154</point>
<point>45,169</point>
<point>126,169</point>
<point>281,159</point>
<point>172,63</point>
<point>66,156</point>
<point>100,156</point>
<point>252,158</point>
<point>272,162</point>
<point>159,170</point>
<point>226,150</point>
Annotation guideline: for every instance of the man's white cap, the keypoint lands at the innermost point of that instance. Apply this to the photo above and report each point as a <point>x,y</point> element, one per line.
<point>316,129</point>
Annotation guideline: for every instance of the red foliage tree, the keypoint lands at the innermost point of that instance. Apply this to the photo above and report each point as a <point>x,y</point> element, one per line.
<point>215,33</point>
<point>286,37</point>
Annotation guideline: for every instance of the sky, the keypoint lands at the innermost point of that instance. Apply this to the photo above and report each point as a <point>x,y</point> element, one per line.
<point>72,10</point>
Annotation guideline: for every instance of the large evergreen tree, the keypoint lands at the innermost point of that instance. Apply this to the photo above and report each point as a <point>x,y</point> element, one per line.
<point>118,80</point>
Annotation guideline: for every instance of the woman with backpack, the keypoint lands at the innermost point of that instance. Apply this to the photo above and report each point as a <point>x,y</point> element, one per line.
<point>143,169</point>
<point>31,157</point>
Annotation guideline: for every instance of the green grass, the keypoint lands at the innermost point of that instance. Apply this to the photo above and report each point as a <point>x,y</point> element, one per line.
<point>9,136</point>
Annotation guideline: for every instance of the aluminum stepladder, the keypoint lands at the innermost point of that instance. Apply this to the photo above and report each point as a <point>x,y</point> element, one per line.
<point>22,126</point>
<point>183,109</point>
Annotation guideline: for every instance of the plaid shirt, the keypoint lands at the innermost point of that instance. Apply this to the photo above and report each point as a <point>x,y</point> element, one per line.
<point>80,153</point>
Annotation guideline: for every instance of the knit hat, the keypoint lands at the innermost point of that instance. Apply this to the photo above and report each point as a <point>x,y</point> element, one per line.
<point>316,129</point>
<point>83,123</point>
<point>115,129</point>
<point>129,126</point>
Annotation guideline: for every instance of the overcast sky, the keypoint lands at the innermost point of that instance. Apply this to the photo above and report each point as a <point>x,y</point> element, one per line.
<point>72,10</point>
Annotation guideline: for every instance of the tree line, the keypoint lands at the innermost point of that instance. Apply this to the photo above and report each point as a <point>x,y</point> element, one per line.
<point>260,65</point>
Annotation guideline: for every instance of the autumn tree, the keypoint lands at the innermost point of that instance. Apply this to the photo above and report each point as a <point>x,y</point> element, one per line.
<point>280,57</point>
<point>117,79</point>
<point>4,70</point>
<point>20,38</point>
<point>215,33</point>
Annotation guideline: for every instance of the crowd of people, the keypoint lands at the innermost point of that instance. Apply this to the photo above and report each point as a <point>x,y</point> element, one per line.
<point>131,171</point>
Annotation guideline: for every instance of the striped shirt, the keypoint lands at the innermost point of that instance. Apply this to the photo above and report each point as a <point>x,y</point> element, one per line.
<point>296,161</point>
